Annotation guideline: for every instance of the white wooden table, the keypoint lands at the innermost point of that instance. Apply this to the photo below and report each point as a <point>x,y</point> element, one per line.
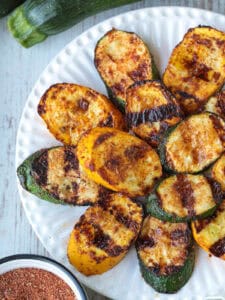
<point>19,69</point>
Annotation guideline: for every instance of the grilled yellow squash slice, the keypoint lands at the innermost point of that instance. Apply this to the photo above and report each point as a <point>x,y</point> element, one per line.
<point>216,104</point>
<point>218,171</point>
<point>103,235</point>
<point>122,58</point>
<point>69,110</point>
<point>151,110</point>
<point>193,144</point>
<point>196,68</point>
<point>55,175</point>
<point>209,233</point>
<point>119,161</point>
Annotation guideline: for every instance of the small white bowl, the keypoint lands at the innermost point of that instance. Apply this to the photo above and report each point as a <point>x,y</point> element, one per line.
<point>35,261</point>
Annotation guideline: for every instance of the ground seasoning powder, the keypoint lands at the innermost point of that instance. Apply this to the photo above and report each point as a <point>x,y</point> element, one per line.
<point>33,284</point>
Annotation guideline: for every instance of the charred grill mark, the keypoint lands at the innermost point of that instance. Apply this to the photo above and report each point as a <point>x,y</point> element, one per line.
<point>104,242</point>
<point>83,104</point>
<point>140,73</point>
<point>186,193</point>
<point>155,269</point>
<point>70,160</point>
<point>104,197</point>
<point>179,236</point>
<point>104,174</point>
<point>221,103</point>
<point>135,152</point>
<point>41,109</point>
<point>217,191</point>
<point>118,88</point>
<point>127,222</point>
<point>197,69</point>
<point>160,113</point>
<point>201,41</point>
<point>218,248</point>
<point>102,138</point>
<point>113,164</point>
<point>75,187</point>
<point>220,43</point>
<point>108,122</point>
<point>219,127</point>
<point>54,191</point>
<point>145,242</point>
<point>92,94</point>
<point>171,269</point>
<point>40,169</point>
<point>201,224</point>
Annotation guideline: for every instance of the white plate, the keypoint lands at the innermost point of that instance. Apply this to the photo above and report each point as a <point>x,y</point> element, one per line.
<point>161,28</point>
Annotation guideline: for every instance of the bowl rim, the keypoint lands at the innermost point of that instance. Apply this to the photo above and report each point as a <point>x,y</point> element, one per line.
<point>51,261</point>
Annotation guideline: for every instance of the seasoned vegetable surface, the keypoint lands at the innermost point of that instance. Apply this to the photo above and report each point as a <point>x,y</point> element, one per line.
<point>122,58</point>
<point>183,197</point>
<point>103,235</point>
<point>216,104</point>
<point>218,171</point>
<point>56,176</point>
<point>151,110</point>
<point>119,161</point>
<point>209,233</point>
<point>194,144</point>
<point>196,68</point>
<point>166,254</point>
<point>35,20</point>
<point>69,110</point>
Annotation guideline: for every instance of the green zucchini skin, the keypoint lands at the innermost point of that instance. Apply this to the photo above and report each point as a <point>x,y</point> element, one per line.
<point>29,183</point>
<point>6,6</point>
<point>35,20</point>
<point>173,282</point>
<point>153,208</point>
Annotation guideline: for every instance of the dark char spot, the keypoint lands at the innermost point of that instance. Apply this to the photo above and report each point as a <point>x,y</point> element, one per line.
<point>40,169</point>
<point>70,160</point>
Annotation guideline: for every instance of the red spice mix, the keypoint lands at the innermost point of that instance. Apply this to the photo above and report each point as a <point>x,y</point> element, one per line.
<point>33,284</point>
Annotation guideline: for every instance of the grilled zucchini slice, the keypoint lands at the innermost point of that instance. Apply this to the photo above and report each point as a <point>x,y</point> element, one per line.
<point>151,110</point>
<point>69,110</point>
<point>179,198</point>
<point>218,172</point>
<point>193,144</point>
<point>104,234</point>
<point>210,232</point>
<point>196,67</point>
<point>119,161</point>
<point>166,255</point>
<point>216,104</point>
<point>55,175</point>
<point>122,58</point>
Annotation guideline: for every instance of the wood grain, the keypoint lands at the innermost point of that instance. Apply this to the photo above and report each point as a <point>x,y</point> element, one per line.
<point>19,69</point>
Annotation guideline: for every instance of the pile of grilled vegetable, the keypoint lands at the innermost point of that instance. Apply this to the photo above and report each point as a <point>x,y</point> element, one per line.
<point>151,167</point>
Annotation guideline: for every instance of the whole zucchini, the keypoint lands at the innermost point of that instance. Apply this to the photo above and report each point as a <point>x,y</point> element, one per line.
<point>35,20</point>
<point>8,5</point>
